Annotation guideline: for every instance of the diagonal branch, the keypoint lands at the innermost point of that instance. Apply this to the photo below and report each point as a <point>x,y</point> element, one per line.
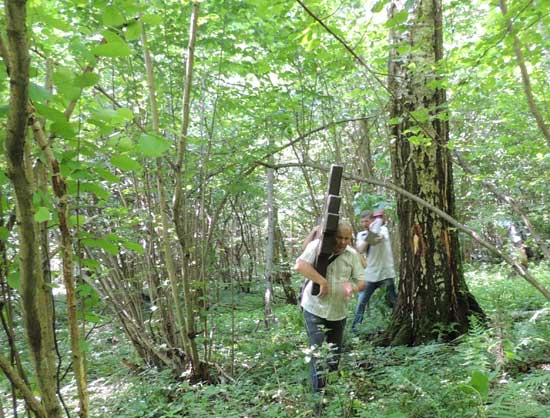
<point>33,403</point>
<point>509,201</point>
<point>468,231</point>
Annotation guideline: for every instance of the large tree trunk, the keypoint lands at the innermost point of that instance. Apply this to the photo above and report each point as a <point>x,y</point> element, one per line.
<point>434,301</point>
<point>35,295</point>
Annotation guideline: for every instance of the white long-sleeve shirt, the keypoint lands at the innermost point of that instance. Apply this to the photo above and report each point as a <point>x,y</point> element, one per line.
<point>380,264</point>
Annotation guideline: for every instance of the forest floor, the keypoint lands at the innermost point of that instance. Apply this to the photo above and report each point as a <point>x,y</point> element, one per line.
<point>502,370</point>
<point>499,370</point>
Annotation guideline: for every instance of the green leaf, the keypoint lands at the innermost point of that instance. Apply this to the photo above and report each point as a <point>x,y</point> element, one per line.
<point>77,220</point>
<point>113,17</point>
<point>95,189</point>
<point>378,6</point>
<point>64,79</point>
<point>92,317</point>
<point>38,93</point>
<point>133,31</point>
<point>42,214</point>
<point>50,113</point>
<point>13,280</point>
<point>152,19</point>
<point>420,115</point>
<point>395,121</point>
<point>101,243</point>
<point>63,128</point>
<point>134,246</point>
<point>107,175</point>
<point>121,143</point>
<point>153,145</point>
<point>125,113</point>
<point>4,233</point>
<point>125,163</point>
<point>480,381</point>
<point>87,79</point>
<point>114,49</point>
<point>112,37</point>
<point>397,19</point>
<point>3,178</point>
<point>105,114</point>
<point>90,263</point>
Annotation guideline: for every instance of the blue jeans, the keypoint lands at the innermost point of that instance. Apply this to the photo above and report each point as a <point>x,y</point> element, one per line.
<point>320,330</point>
<point>365,295</point>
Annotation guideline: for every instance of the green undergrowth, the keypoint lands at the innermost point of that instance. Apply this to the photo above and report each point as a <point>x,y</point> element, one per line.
<point>498,370</point>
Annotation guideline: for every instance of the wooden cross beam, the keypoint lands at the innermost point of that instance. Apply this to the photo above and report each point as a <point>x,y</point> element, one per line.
<point>329,224</point>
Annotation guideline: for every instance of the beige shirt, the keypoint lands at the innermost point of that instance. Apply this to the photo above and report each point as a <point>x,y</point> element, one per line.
<point>345,268</point>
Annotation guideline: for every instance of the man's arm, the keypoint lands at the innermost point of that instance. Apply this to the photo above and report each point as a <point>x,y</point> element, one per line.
<point>308,271</point>
<point>361,242</point>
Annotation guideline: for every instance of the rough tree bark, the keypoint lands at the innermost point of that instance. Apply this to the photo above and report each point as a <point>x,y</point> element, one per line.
<point>35,295</point>
<point>434,301</point>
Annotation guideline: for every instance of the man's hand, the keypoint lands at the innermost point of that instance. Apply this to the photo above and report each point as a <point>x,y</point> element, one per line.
<point>324,288</point>
<point>348,290</point>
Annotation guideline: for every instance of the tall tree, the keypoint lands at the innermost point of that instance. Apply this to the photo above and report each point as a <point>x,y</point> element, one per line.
<point>35,295</point>
<point>434,299</point>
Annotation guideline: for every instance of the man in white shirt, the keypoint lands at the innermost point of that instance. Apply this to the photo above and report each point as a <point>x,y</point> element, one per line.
<point>325,314</point>
<point>375,243</point>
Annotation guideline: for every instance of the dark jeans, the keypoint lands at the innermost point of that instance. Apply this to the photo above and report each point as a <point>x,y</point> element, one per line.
<point>320,330</point>
<point>365,295</point>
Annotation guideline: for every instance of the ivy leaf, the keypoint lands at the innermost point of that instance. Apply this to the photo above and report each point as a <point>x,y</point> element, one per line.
<point>153,145</point>
<point>42,214</point>
<point>125,163</point>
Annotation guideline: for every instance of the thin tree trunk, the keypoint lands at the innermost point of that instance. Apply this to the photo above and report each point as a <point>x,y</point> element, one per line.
<point>60,189</point>
<point>270,251</point>
<point>180,209</point>
<point>163,207</point>
<point>14,378</point>
<point>35,295</point>
<point>528,89</point>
